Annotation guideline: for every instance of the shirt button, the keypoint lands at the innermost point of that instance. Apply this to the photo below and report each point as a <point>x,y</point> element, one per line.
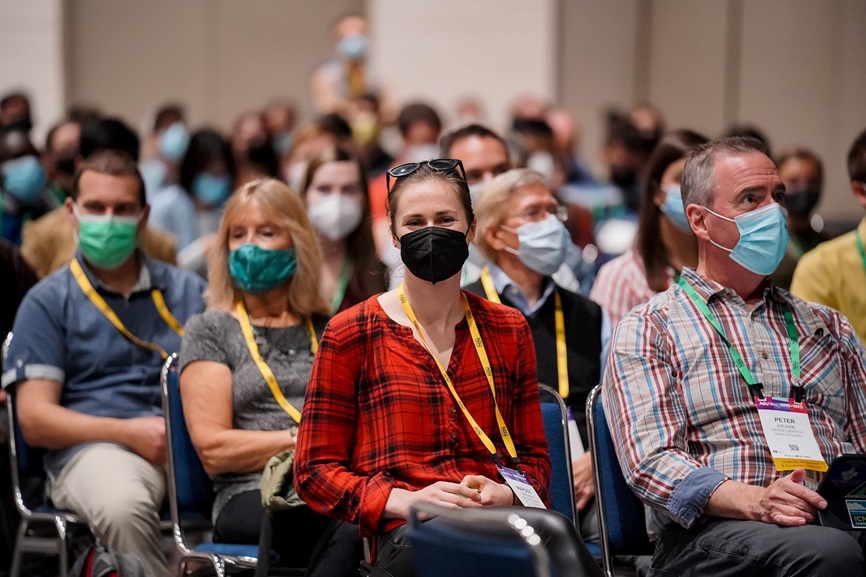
<point>764,355</point>
<point>453,435</point>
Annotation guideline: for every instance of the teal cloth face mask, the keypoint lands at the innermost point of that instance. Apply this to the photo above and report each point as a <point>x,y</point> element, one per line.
<point>673,208</point>
<point>106,241</point>
<point>258,270</point>
<point>763,238</point>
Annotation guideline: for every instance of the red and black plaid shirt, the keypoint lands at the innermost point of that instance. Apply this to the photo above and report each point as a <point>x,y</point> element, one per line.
<point>378,414</point>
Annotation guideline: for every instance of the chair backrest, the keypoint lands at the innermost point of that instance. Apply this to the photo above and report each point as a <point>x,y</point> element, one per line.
<point>190,490</point>
<point>621,514</point>
<point>513,541</point>
<point>459,544</point>
<point>28,474</point>
<point>555,418</point>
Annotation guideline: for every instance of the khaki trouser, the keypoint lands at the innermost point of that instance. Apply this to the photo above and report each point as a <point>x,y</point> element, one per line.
<point>120,494</point>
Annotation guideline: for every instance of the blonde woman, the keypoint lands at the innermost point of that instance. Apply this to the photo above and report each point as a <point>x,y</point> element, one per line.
<point>246,361</point>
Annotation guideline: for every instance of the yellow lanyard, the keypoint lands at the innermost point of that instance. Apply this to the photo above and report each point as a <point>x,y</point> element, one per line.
<point>247,329</point>
<point>103,307</point>
<point>488,371</point>
<point>559,321</point>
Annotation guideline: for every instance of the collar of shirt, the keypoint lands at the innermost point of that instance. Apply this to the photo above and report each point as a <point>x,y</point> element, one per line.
<point>145,282</point>
<point>506,287</point>
<point>707,289</point>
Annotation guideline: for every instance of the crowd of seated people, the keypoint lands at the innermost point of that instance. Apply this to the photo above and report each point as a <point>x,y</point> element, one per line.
<point>376,292</point>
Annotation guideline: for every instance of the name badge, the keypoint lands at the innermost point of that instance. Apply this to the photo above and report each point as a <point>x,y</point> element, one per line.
<point>521,487</point>
<point>789,435</point>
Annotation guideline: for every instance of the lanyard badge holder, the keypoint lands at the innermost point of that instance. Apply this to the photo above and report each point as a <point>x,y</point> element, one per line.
<point>784,421</point>
<point>514,477</point>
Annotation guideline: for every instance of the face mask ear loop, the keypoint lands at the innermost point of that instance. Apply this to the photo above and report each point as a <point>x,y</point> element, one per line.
<point>714,243</point>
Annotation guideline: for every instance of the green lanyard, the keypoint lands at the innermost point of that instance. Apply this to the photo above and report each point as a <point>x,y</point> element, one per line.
<point>793,345</point>
<point>340,291</point>
<point>860,247</point>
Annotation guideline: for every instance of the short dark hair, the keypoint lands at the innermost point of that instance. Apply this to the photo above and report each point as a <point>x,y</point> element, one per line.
<point>205,146</point>
<point>750,131</point>
<point>11,97</point>
<point>167,115</point>
<point>532,127</point>
<point>113,163</point>
<point>418,112</point>
<point>857,159</point>
<point>336,125</point>
<point>49,137</point>
<point>447,142</point>
<point>108,134</point>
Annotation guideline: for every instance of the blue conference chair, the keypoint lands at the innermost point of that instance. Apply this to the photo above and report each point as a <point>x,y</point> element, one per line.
<point>495,541</point>
<point>555,419</point>
<point>621,514</point>
<point>190,491</point>
<point>43,529</point>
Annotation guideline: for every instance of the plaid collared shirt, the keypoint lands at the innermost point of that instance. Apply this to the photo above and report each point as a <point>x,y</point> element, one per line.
<point>621,285</point>
<point>378,414</point>
<point>681,414</point>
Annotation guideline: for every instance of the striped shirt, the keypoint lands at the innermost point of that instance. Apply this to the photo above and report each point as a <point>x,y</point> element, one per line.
<point>621,285</point>
<point>681,414</point>
<point>378,415</point>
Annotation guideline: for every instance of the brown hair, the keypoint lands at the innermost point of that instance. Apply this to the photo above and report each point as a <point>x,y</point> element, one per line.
<point>801,153</point>
<point>359,244</point>
<point>286,211</point>
<point>453,178</point>
<point>651,249</point>
<point>111,163</point>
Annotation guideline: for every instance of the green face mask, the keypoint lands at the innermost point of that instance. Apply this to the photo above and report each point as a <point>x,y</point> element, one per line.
<point>106,241</point>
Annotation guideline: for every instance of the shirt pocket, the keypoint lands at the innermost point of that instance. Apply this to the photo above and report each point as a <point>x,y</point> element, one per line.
<point>820,372</point>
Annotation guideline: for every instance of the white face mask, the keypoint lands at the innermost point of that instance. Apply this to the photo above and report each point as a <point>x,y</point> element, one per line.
<point>543,244</point>
<point>334,216</point>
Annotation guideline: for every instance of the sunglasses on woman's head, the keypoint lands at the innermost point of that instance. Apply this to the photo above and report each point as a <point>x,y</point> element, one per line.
<point>438,164</point>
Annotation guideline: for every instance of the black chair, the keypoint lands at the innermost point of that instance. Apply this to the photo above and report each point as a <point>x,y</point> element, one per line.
<point>43,529</point>
<point>495,541</point>
<point>621,515</point>
<point>190,491</point>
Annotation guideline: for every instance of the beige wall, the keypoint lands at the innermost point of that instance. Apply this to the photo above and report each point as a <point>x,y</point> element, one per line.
<point>446,50</point>
<point>796,68</point>
<point>31,57</point>
<point>219,57</point>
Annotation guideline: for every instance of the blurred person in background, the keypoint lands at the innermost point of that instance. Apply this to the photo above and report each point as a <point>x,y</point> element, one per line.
<point>192,208</point>
<point>310,139</point>
<point>665,242</point>
<point>24,195</point>
<point>279,120</point>
<point>803,174</point>
<point>164,148</point>
<point>520,230</point>
<point>420,126</point>
<point>366,122</point>
<point>253,150</point>
<point>15,112</point>
<point>349,73</point>
<point>565,139</point>
<point>60,155</point>
<point>834,273</point>
<point>335,192</point>
<point>750,131</point>
<point>48,243</point>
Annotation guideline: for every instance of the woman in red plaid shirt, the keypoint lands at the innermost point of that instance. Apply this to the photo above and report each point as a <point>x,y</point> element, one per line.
<point>382,424</point>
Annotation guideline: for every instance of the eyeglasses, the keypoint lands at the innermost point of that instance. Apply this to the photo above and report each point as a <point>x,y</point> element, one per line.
<point>438,164</point>
<point>538,213</point>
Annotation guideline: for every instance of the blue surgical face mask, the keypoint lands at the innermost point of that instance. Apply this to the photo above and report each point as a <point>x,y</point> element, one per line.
<point>763,238</point>
<point>353,47</point>
<point>210,189</point>
<point>673,208</point>
<point>173,142</point>
<point>24,178</point>
<point>258,270</point>
<point>543,244</point>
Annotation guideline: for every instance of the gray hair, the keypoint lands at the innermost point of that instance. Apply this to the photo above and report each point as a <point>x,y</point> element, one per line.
<point>491,209</point>
<point>698,182</point>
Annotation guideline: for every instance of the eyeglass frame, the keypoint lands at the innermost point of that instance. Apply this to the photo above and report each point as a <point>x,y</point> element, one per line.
<point>412,167</point>
<point>560,211</point>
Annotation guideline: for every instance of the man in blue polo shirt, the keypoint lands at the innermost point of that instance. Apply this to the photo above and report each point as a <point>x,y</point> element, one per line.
<point>85,360</point>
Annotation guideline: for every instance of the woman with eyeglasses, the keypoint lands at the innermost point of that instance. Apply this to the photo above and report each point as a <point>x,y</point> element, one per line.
<point>665,242</point>
<point>520,232</point>
<point>244,368</point>
<point>400,406</point>
<point>335,191</point>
